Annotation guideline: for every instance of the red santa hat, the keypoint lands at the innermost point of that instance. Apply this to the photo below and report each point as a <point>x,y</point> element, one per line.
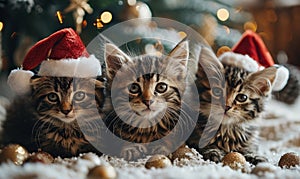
<point>251,54</point>
<point>62,54</point>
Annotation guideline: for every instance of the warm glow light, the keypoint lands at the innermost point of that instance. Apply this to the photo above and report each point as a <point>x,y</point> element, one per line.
<point>59,16</point>
<point>106,17</point>
<point>222,50</point>
<point>222,14</point>
<point>98,24</point>
<point>84,23</point>
<point>250,26</point>
<point>1,26</point>
<point>131,2</point>
<point>182,34</point>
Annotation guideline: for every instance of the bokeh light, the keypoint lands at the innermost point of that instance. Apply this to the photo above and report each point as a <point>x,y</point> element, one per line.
<point>250,25</point>
<point>131,2</point>
<point>222,50</point>
<point>223,14</point>
<point>106,17</point>
<point>1,26</point>
<point>182,34</point>
<point>98,24</point>
<point>59,17</point>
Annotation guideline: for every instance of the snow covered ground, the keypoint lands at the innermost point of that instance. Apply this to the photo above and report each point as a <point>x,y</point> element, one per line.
<point>280,133</point>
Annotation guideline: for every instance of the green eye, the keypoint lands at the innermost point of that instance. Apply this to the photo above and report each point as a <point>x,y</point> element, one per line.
<point>79,96</point>
<point>53,97</point>
<point>134,88</point>
<point>217,91</point>
<point>161,87</point>
<point>241,98</point>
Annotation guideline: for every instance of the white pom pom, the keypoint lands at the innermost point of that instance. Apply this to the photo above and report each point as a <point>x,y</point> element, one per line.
<point>19,81</point>
<point>282,77</point>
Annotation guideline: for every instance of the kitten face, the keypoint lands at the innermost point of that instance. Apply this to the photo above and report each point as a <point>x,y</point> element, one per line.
<point>231,93</point>
<point>146,88</point>
<point>66,99</point>
<point>147,95</point>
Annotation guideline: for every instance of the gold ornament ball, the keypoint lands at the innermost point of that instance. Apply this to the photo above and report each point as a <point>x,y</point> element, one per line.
<point>182,153</point>
<point>15,153</point>
<point>234,160</point>
<point>103,172</point>
<point>40,157</point>
<point>288,160</point>
<point>158,161</point>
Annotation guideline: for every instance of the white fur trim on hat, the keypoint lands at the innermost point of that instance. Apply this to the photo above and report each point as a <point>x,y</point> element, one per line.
<point>282,77</point>
<point>19,81</point>
<point>241,61</point>
<point>82,67</point>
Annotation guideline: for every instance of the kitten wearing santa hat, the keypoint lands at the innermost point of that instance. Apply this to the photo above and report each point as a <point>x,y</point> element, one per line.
<point>233,91</point>
<point>56,108</point>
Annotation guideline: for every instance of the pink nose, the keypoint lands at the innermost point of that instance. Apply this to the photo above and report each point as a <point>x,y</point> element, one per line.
<point>66,112</point>
<point>147,102</point>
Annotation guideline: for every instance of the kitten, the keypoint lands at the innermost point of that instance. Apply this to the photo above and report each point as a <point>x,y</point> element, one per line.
<point>146,95</point>
<point>52,116</point>
<point>231,98</point>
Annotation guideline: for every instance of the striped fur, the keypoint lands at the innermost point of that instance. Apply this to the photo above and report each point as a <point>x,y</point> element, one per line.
<point>146,97</point>
<point>231,98</point>
<point>51,119</point>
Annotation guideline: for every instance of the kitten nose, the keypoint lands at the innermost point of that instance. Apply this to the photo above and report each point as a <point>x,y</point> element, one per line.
<point>66,108</point>
<point>66,111</point>
<point>147,102</point>
<point>227,108</point>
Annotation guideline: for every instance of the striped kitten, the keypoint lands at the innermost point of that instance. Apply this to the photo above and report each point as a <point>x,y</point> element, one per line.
<point>146,95</point>
<point>52,117</point>
<point>231,98</point>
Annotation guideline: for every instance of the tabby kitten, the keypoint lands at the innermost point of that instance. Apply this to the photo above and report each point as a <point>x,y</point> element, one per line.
<point>52,117</point>
<point>146,94</point>
<point>231,98</point>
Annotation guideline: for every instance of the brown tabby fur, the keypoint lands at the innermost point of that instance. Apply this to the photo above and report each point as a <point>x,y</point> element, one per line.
<point>147,96</point>
<point>231,99</point>
<point>52,116</point>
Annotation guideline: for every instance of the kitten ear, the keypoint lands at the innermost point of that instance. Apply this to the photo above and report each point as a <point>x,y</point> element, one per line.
<point>208,64</point>
<point>176,61</point>
<point>35,81</point>
<point>263,80</point>
<point>114,59</point>
<point>180,52</point>
<point>100,82</point>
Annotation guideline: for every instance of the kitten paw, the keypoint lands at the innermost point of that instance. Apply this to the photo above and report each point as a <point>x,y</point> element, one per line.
<point>255,159</point>
<point>133,152</point>
<point>214,155</point>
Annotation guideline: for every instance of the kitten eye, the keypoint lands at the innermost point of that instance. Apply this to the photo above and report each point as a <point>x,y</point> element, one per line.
<point>217,91</point>
<point>241,97</point>
<point>161,87</point>
<point>52,97</point>
<point>134,88</point>
<point>79,96</point>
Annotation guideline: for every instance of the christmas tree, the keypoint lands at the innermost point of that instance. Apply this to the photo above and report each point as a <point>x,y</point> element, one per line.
<point>27,21</point>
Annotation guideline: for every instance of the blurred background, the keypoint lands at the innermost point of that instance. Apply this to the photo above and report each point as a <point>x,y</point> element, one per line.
<point>221,23</point>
